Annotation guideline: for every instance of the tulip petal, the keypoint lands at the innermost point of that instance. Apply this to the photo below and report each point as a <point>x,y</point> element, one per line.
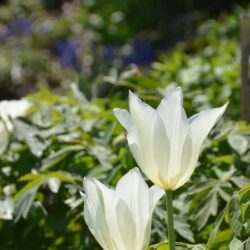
<point>176,124</point>
<point>136,152</point>
<point>94,214</point>
<point>146,236</point>
<point>137,106</point>
<point>110,207</point>
<point>200,126</point>
<point>143,116</point>
<point>187,165</point>
<point>172,113</point>
<point>202,123</point>
<point>120,219</point>
<point>134,191</point>
<point>126,226</point>
<point>161,147</point>
<point>155,194</point>
<point>124,118</point>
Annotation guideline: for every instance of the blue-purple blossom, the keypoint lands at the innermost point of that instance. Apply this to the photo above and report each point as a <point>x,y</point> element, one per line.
<point>110,52</point>
<point>19,26</point>
<point>67,53</point>
<point>141,53</point>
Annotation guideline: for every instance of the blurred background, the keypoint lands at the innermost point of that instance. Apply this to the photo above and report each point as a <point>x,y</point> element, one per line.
<point>53,42</point>
<point>74,61</point>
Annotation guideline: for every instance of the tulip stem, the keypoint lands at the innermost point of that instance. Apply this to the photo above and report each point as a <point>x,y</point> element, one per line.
<point>170,219</point>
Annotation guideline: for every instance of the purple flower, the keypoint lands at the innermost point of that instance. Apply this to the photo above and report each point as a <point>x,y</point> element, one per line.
<point>19,26</point>
<point>2,34</point>
<point>110,52</point>
<point>141,53</point>
<point>67,53</point>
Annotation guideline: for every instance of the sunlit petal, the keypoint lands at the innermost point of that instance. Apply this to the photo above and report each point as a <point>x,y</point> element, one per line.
<point>120,219</point>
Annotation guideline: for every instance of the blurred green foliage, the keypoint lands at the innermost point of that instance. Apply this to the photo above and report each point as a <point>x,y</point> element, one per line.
<point>49,42</point>
<point>64,138</point>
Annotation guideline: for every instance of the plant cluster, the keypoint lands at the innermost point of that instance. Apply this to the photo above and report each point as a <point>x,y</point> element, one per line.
<point>46,153</point>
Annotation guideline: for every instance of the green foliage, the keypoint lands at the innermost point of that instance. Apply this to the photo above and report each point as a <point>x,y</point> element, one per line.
<point>179,246</point>
<point>232,227</point>
<point>49,152</point>
<point>64,138</point>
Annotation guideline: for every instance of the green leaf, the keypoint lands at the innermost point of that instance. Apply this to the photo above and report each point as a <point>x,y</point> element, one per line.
<point>235,215</point>
<point>227,159</point>
<point>210,206</point>
<point>247,245</point>
<point>179,246</point>
<point>30,134</point>
<point>245,199</point>
<point>54,184</point>
<point>239,143</point>
<point>31,185</point>
<point>61,154</point>
<point>6,209</point>
<point>247,214</point>
<point>4,137</point>
<point>183,229</point>
<point>240,181</point>
<point>144,82</point>
<point>220,238</point>
<point>108,133</point>
<point>224,175</point>
<point>215,230</point>
<point>236,244</point>
<point>24,202</point>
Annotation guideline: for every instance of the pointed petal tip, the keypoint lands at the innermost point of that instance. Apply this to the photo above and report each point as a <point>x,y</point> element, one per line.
<point>88,179</point>
<point>178,91</point>
<point>225,105</point>
<point>116,111</point>
<point>130,92</point>
<point>132,96</point>
<point>222,109</point>
<point>176,94</point>
<point>85,180</point>
<point>133,99</point>
<point>123,116</point>
<point>83,195</point>
<point>135,170</point>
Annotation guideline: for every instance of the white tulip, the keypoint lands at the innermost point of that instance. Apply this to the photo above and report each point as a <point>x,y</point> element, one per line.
<point>120,219</point>
<point>13,109</point>
<point>8,110</point>
<point>164,142</point>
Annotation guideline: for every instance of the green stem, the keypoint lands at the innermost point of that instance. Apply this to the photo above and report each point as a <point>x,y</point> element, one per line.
<point>170,220</point>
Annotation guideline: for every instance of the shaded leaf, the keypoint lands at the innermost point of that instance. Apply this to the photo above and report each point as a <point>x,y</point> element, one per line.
<point>235,215</point>
<point>239,143</point>
<point>236,244</point>
<point>4,137</point>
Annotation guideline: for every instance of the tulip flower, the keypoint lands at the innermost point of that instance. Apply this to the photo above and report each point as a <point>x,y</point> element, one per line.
<point>8,110</point>
<point>164,142</point>
<point>13,109</point>
<point>120,219</point>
